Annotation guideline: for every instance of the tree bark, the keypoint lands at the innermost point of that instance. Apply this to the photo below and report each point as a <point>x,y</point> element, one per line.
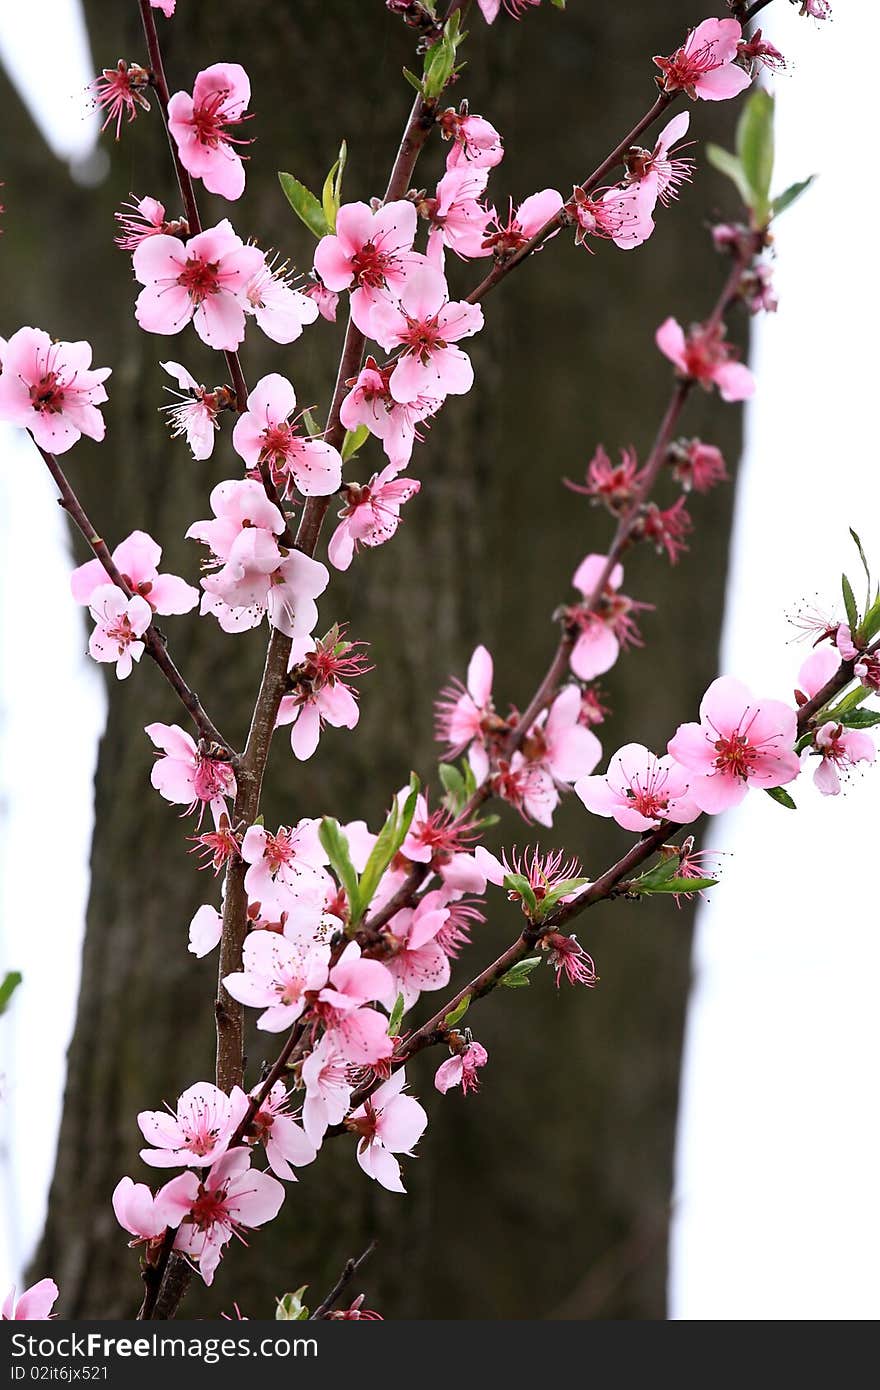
<point>547,1195</point>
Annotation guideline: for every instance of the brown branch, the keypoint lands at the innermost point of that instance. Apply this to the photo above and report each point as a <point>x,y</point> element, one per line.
<point>350,1270</point>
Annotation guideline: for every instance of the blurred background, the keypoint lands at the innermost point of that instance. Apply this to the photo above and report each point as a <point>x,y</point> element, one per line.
<point>553,1193</point>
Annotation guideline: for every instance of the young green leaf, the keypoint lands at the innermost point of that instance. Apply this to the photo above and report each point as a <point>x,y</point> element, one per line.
<point>791,195</point>
<point>849,603</point>
<point>396,1016</point>
<point>291,1308</point>
<point>727,163</point>
<point>659,874</point>
<point>520,887</point>
<point>558,892</point>
<point>754,146</point>
<point>304,204</point>
<point>517,976</point>
<point>8,986</point>
<point>860,719</point>
<point>675,885</point>
<point>457,1014</point>
<point>781,795</point>
<point>354,440</point>
<point>453,785</point>
<point>336,846</point>
<point>331,194</point>
<point>388,842</point>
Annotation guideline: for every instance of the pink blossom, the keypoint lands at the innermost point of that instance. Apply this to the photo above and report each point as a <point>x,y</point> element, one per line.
<point>456,217</point>
<point>435,836</point>
<point>281,310</point>
<point>166,6</point>
<point>34,1305</point>
<point>567,957</point>
<point>371,514</point>
<point>139,1212</point>
<point>704,356</point>
<point>278,974</point>
<point>326,300</point>
<point>51,389</point>
<point>461,1069</point>
<point>120,623</point>
<point>698,466</point>
<point>419,962</point>
<point>839,748</point>
<point>371,253</point>
<point>475,141</point>
<point>137,558</point>
<point>187,776</point>
<point>121,91</point>
<point>388,1123</point>
<point>816,9</point>
<point>617,214</point>
<point>612,484</point>
<point>425,325</point>
<point>287,1146</point>
<point>640,790</point>
<point>210,1210</point>
<point>204,279</point>
<point>326,1077</point>
<point>867,668</point>
<point>267,433</point>
<point>464,714</point>
<point>605,622</point>
<point>192,1136</point>
<point>205,931</point>
<point>666,527</point>
<point>139,219</point>
<point>844,643</point>
<point>359,1032</point>
<point>241,539</point>
<point>292,859</point>
<point>758,52</point>
<point>370,403</point>
<point>660,176</point>
<point>200,125</point>
<point>532,215</point>
<point>704,66</point>
<point>194,413</point>
<point>323,694</point>
<point>558,743</point>
<point>817,670</point>
<point>740,742</point>
<point>516,8</point>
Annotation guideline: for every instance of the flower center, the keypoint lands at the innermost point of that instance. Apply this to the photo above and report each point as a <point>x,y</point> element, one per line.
<point>736,755</point>
<point>423,337</point>
<point>369,265</point>
<point>199,279</point>
<point>209,1208</point>
<point>47,396</point>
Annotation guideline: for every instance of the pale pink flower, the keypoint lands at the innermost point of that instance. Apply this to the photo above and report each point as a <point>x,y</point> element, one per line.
<point>139,1212</point>
<point>491,8</point>
<point>816,9</point>
<point>419,962</point>
<point>388,1123</point>
<point>201,124</point>
<point>839,748</point>
<point>359,1032</point>
<point>195,1134</point>
<point>292,859</point>
<point>51,389</point>
<point>532,215</point>
<point>326,300</point>
<point>204,279</point>
<point>278,974</point>
<point>660,176</point>
<point>326,1077</point>
<point>287,1146</point>
<point>461,1069</point>
<point>425,326</point>
<point>166,6</point>
<point>280,310</point>
<point>457,219</point>
<point>34,1305</point>
<point>740,742</point>
<point>185,775</point>
<point>370,403</point>
<point>209,1211</point>
<point>205,931</point>
<point>616,214</point>
<point>194,412</point>
<point>137,558</point>
<point>606,624</point>
<point>120,623</point>
<point>323,695</point>
<point>706,357</point>
<point>434,836</point>
<point>822,663</point>
<point>640,790</point>
<point>465,714</point>
<point>627,212</point>
<point>267,433</point>
<point>558,743</point>
<point>371,514</point>
<point>704,66</point>
<point>475,141</point>
<point>370,253</point>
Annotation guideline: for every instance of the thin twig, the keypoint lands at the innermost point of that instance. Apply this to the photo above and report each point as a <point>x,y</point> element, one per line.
<point>351,1268</point>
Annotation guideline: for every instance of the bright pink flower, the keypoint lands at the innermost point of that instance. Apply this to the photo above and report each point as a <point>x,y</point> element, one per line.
<point>371,403</point>
<point>359,1032</point>
<point>434,836</point>
<point>287,1146</point>
<point>816,9</point>
<point>356,1312</point>
<point>201,124</point>
<point>204,279</point>
<point>137,559</point>
<point>292,859</point>
<point>419,962</point>
<point>139,1212</point>
<point>195,1134</point>
<point>705,357</point>
<point>371,514</point>
<point>371,253</point>
<point>567,957</point>
<point>465,714</point>
<point>617,214</point>
<point>704,66</point>
<point>210,1211</point>
<point>326,1077</point>
<point>120,623</point>
<point>388,1123</point>
<point>278,974</point>
<point>697,466</point>
<point>267,433</point>
<point>34,1305</point>
<point>456,216</point>
<point>194,413</point>
<point>640,790</point>
<point>425,325</point>
<point>666,528</point>
<point>139,219</point>
<point>461,1069</point>
<point>609,483</point>
<point>280,310</point>
<point>740,742</point>
<point>475,141</point>
<point>531,217</point>
<point>323,695</point>
<point>757,52</point>
<point>839,748</point>
<point>606,623</point>
<point>185,775</point>
<point>121,91</point>
<point>51,389</point>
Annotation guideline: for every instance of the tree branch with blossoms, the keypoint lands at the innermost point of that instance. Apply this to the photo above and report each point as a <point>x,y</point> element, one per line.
<point>331,931</point>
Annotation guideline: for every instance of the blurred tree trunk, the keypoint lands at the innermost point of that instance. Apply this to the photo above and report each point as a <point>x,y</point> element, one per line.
<point>548,1195</point>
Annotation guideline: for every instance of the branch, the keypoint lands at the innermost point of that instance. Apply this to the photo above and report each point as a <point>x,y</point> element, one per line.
<point>342,1283</point>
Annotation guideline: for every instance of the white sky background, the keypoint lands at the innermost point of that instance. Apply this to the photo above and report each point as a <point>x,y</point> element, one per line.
<point>777,1207</point>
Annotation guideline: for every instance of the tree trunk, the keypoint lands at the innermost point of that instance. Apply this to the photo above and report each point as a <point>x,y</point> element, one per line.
<point>548,1194</point>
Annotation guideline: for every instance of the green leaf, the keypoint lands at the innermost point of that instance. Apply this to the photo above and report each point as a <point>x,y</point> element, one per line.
<point>453,785</point>
<point>727,163</point>
<point>11,981</point>
<point>560,4</point>
<point>676,885</point>
<point>860,549</point>
<point>849,603</point>
<point>871,624</point>
<point>388,842</point>
<point>754,146</point>
<point>331,194</point>
<point>291,1308</point>
<point>791,195</point>
<point>517,976</point>
<point>396,1016</point>
<point>851,700</point>
<point>860,719</point>
<point>413,81</point>
<point>661,872</point>
<point>455,1015</point>
<point>558,892</point>
<point>304,204</point>
<point>781,795</point>
<point>354,440</point>
<point>336,846</point>
<point>440,59</point>
<point>520,887</point>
